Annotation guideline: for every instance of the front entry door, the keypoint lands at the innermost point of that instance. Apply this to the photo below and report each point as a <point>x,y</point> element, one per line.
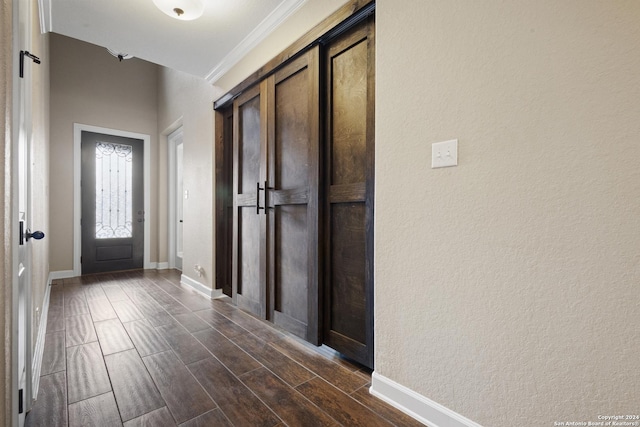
<point>112,203</point>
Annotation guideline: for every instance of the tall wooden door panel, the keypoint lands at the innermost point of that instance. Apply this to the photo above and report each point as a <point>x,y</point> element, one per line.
<point>349,156</point>
<point>249,221</point>
<point>292,190</point>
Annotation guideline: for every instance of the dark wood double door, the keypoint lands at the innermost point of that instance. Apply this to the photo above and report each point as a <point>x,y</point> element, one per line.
<point>302,243</point>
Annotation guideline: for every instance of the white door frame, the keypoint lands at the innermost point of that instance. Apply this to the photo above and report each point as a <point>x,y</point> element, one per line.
<point>172,139</point>
<point>77,205</point>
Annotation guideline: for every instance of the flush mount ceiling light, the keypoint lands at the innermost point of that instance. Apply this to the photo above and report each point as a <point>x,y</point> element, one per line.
<point>185,10</point>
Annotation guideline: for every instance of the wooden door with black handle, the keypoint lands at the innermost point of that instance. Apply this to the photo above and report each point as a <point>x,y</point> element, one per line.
<point>292,195</point>
<point>249,219</point>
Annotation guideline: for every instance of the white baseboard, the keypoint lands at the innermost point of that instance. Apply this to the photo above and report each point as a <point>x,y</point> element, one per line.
<point>67,274</point>
<point>415,405</point>
<point>38,353</point>
<point>200,288</point>
<point>63,274</point>
<point>152,265</point>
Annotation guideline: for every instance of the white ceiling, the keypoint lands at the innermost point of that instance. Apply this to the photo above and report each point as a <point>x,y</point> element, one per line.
<point>206,47</point>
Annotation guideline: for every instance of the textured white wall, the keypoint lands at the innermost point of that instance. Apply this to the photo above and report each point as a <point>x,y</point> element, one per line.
<point>188,99</point>
<point>507,287</point>
<point>89,86</point>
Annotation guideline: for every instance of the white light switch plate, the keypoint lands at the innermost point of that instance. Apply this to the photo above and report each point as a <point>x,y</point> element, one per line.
<point>444,154</point>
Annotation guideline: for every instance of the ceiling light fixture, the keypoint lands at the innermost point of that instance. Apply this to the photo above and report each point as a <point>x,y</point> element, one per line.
<point>184,10</point>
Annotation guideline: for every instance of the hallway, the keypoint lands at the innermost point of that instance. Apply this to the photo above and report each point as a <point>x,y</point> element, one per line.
<point>137,348</point>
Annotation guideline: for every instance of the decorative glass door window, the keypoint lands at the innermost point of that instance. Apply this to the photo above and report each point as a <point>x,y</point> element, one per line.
<point>114,212</point>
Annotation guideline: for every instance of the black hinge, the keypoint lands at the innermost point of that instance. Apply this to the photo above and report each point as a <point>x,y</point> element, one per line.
<point>20,408</point>
<point>24,53</point>
<point>21,233</point>
<point>80,259</point>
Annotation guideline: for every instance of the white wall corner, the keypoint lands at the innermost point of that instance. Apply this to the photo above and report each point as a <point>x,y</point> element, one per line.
<point>415,405</point>
<point>36,366</point>
<point>200,288</point>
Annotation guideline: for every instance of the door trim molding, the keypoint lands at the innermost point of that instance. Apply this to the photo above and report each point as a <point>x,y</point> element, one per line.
<point>77,205</point>
<point>416,405</point>
<point>173,196</point>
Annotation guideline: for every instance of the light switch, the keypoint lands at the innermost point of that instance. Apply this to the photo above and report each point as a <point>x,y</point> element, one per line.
<point>444,154</point>
<point>186,194</point>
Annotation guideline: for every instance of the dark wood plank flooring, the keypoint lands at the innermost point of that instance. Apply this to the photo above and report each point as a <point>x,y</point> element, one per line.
<point>138,349</point>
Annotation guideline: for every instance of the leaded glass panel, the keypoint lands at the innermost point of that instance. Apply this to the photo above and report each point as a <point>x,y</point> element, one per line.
<point>114,212</point>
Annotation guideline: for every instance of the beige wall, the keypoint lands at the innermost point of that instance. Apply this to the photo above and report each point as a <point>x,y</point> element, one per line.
<point>507,287</point>
<point>187,101</point>
<point>89,86</point>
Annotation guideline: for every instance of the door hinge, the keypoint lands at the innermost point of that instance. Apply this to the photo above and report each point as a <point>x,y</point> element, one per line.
<point>21,233</point>
<point>81,260</point>
<point>31,56</point>
<point>20,406</point>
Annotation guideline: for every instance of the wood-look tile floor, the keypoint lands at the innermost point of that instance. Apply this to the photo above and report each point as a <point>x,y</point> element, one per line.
<point>137,349</point>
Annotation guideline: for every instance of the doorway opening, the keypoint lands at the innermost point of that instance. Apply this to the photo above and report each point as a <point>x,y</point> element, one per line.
<point>176,199</point>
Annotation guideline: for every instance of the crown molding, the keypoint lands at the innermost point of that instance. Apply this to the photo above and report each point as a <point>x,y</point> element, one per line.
<point>270,23</point>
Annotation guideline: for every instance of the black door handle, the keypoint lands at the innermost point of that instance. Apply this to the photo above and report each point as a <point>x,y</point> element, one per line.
<point>35,235</point>
<point>258,189</point>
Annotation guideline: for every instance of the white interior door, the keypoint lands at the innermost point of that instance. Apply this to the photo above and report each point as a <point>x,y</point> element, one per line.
<point>176,198</point>
<point>21,207</point>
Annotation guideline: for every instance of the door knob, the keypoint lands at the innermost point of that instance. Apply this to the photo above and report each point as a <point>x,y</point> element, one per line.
<point>35,235</point>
